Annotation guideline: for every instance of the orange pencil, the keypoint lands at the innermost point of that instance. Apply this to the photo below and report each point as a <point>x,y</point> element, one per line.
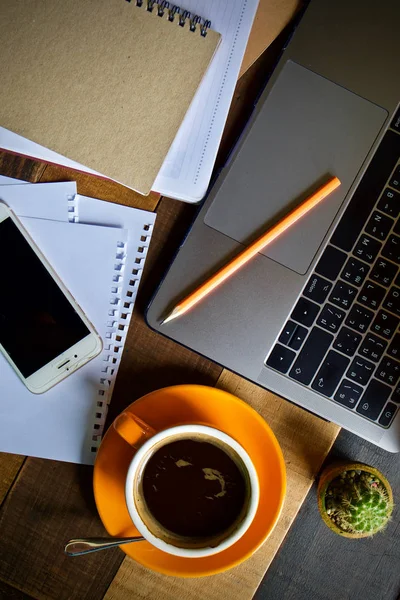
<point>241,259</point>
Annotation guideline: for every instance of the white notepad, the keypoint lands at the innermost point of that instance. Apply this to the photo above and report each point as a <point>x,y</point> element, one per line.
<point>187,168</point>
<point>96,264</point>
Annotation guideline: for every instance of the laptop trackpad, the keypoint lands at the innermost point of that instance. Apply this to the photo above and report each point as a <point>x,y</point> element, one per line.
<point>308,128</point>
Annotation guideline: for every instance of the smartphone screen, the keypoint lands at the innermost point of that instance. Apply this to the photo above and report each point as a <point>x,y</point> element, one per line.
<point>37,321</point>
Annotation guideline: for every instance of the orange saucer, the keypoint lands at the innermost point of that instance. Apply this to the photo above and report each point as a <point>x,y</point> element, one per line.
<point>208,406</point>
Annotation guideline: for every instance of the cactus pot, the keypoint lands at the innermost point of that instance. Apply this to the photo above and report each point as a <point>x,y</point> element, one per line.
<point>354,500</point>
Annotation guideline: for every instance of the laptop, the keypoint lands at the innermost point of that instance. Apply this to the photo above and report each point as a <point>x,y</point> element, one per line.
<point>315,317</point>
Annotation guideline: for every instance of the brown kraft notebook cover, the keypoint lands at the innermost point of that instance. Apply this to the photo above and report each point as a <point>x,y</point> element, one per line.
<point>105,82</point>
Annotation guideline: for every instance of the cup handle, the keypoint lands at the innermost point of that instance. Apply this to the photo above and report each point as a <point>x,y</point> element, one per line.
<point>132,429</point>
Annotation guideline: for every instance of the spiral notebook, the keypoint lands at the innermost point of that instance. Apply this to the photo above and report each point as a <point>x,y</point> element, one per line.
<point>186,171</point>
<point>101,263</point>
<point>106,83</point>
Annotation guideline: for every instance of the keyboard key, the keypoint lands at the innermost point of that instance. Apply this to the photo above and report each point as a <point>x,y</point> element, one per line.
<point>396,122</point>
<point>394,348</point>
<point>360,370</point>
<point>396,395</point>
<point>305,312</point>
<point>280,358</point>
<point>343,294</point>
<point>396,228</point>
<point>298,338</point>
<point>372,347</point>
<point>311,355</point>
<point>355,271</point>
<point>347,341</point>
<point>330,373</point>
<point>367,248</point>
<point>331,318</point>
<point>371,295</point>
<point>388,371</point>
<point>317,289</point>
<point>373,400</point>
<point>385,324</point>
<point>287,332</point>
<point>369,189</point>
<point>387,414</point>
<point>359,318</point>
<point>392,301</point>
<point>379,225</point>
<point>391,249</point>
<point>331,263</point>
<point>383,272</point>
<point>293,335</point>
<point>395,180</point>
<point>348,393</point>
<point>390,203</point>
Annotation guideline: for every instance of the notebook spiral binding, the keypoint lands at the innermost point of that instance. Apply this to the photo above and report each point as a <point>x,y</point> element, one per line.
<point>172,11</point>
<point>122,300</point>
<point>123,295</point>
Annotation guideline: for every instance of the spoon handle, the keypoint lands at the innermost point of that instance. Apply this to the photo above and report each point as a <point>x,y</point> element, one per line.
<point>86,545</point>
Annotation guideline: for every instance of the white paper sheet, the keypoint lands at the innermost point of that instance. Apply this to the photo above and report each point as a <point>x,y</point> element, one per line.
<point>91,210</point>
<point>42,200</point>
<point>9,180</point>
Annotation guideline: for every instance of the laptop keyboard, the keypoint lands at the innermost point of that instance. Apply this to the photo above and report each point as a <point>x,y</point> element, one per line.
<point>343,337</point>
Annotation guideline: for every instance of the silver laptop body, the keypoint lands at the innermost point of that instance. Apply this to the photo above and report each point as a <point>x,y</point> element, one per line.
<point>315,317</point>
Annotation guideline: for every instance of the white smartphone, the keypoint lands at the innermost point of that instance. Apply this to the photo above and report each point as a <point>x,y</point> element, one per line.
<point>44,334</point>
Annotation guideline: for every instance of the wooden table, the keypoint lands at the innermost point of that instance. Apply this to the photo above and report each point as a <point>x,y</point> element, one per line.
<point>44,503</point>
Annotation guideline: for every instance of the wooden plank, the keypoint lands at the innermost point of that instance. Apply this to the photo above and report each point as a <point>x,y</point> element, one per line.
<point>96,187</point>
<point>11,593</point>
<point>271,18</point>
<point>10,465</point>
<point>49,503</point>
<point>12,165</point>
<point>305,440</point>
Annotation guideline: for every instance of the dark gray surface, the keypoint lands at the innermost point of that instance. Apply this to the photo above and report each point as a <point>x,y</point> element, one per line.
<point>315,564</point>
<point>308,129</point>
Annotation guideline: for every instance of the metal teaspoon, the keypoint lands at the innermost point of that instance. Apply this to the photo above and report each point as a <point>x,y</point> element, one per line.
<point>86,545</point>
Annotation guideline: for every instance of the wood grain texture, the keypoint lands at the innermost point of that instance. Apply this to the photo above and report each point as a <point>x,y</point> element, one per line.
<point>50,503</point>
<point>97,187</point>
<point>10,593</point>
<point>10,465</point>
<point>295,429</point>
<point>271,17</point>
<point>18,167</point>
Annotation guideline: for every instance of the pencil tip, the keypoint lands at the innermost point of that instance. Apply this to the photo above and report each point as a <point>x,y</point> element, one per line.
<point>172,315</point>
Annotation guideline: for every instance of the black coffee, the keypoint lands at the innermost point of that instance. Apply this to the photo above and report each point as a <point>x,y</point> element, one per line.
<point>193,488</point>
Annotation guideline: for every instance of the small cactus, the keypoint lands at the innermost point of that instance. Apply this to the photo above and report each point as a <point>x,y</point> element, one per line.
<point>355,501</point>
